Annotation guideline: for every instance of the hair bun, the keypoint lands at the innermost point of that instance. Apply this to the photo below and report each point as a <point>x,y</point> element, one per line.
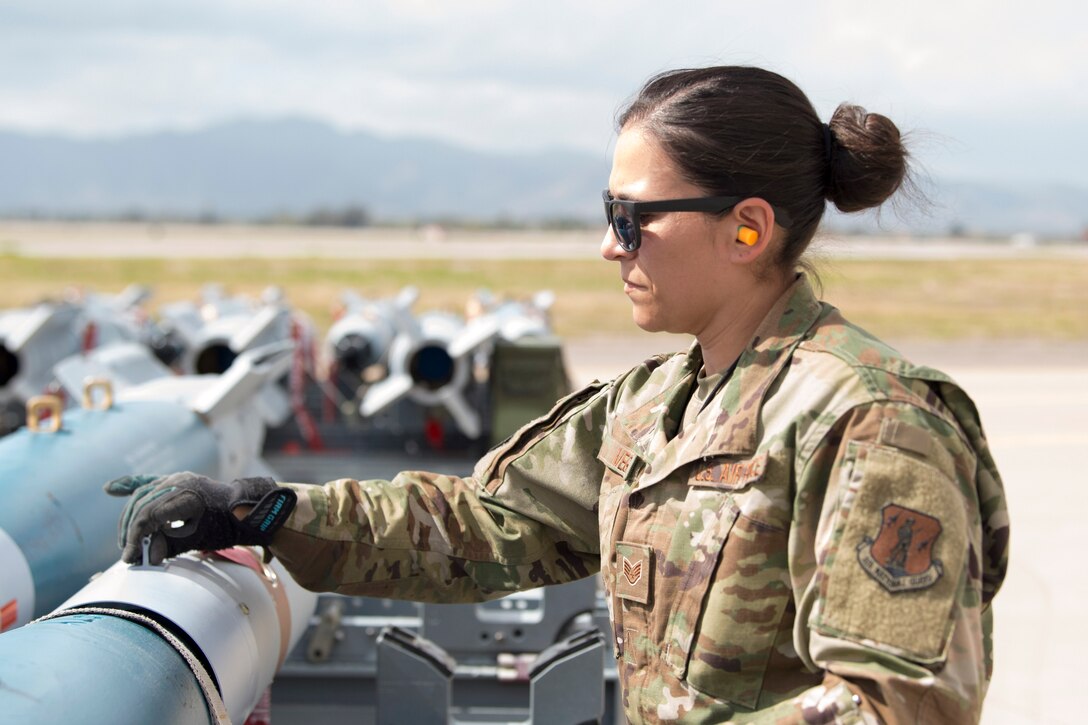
<point>867,161</point>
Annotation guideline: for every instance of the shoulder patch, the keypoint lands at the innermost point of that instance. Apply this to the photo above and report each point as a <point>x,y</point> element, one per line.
<point>900,558</point>
<point>896,558</point>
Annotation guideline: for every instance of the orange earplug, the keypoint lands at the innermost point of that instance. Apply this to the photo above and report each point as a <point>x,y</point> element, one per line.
<point>747,235</point>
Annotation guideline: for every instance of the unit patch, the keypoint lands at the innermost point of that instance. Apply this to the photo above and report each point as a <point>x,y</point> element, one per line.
<point>900,558</point>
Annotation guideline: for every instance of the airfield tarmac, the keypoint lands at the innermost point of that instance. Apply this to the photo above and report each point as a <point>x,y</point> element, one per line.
<point>1033,398</point>
<point>170,240</point>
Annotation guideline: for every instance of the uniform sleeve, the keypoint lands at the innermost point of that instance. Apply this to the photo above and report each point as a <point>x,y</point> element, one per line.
<point>884,555</point>
<point>525,518</point>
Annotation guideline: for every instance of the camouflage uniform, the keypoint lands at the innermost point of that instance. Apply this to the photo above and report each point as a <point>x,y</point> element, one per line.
<point>820,544</point>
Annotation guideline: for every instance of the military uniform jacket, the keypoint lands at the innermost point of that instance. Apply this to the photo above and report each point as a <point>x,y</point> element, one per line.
<point>820,544</point>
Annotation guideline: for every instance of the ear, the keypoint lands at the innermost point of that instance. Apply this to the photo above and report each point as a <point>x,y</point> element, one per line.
<point>751,230</point>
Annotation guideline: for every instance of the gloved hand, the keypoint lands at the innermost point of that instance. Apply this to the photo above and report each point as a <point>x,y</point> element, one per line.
<point>185,511</point>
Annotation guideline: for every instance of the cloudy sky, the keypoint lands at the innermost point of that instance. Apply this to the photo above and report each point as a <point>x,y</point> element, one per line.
<point>990,89</point>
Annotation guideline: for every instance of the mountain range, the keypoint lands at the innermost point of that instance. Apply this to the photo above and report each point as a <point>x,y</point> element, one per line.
<point>289,168</point>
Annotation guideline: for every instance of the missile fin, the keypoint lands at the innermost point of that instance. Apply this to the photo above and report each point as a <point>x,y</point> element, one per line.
<point>38,321</point>
<point>478,332</point>
<point>463,415</point>
<point>250,371</point>
<point>384,393</point>
<point>256,328</point>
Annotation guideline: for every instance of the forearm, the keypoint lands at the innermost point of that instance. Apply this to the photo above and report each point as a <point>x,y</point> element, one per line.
<point>525,518</point>
<point>423,537</point>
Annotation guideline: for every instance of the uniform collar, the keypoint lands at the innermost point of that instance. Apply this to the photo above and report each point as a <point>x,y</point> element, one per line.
<point>739,403</point>
<point>735,431</point>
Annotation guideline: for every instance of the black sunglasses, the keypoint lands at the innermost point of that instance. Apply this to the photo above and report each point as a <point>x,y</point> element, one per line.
<point>623,215</point>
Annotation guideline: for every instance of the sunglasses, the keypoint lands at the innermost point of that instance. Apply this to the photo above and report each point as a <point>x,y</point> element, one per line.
<point>624,216</point>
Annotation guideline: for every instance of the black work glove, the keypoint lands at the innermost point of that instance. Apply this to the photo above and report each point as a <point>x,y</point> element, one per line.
<point>185,511</point>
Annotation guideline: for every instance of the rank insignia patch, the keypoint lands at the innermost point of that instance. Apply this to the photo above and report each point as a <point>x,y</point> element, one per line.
<point>635,571</point>
<point>900,558</point>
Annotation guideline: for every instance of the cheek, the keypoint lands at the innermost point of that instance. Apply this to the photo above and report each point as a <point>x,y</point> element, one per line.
<point>673,285</point>
<point>679,256</point>
<point>682,272</point>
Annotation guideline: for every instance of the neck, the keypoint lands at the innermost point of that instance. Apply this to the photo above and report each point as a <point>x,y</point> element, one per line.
<point>724,340</point>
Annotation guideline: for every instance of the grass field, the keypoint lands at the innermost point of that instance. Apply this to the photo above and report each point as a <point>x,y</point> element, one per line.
<point>977,298</point>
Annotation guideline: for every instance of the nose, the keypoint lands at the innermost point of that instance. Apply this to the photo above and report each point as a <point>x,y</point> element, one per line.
<point>610,248</point>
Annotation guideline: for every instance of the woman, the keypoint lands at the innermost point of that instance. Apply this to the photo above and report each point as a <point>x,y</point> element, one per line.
<point>792,522</point>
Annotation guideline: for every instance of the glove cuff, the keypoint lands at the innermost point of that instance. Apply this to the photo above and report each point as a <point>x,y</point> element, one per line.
<point>268,514</point>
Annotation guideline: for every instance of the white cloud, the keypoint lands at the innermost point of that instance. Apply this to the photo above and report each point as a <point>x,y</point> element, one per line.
<point>496,74</point>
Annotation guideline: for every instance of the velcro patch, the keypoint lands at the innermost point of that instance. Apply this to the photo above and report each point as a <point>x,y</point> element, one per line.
<point>897,556</point>
<point>634,572</point>
<point>898,434</point>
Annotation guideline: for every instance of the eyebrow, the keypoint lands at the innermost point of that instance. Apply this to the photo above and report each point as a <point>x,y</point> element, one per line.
<point>624,198</point>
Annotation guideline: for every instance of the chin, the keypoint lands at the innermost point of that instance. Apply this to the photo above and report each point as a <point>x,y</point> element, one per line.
<point>647,322</point>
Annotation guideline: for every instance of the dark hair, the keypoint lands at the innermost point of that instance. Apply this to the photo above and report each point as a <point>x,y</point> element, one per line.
<point>736,130</point>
